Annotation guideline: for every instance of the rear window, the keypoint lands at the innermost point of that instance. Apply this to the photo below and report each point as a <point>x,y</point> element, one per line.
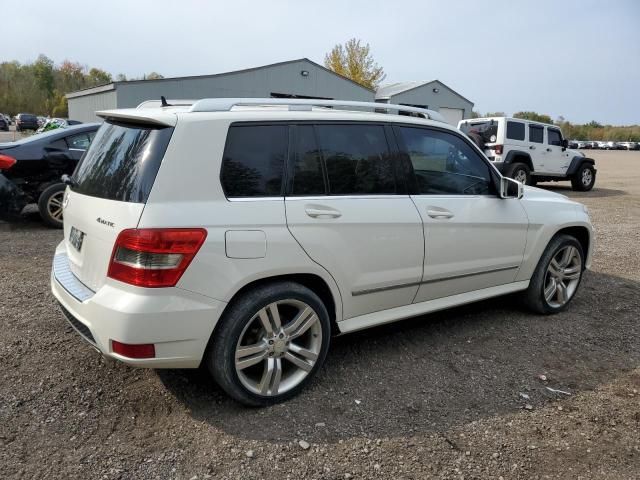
<point>515,130</point>
<point>122,162</point>
<point>253,160</point>
<point>25,117</point>
<point>487,130</point>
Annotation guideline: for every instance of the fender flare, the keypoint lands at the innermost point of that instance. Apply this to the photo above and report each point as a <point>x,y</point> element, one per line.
<point>511,156</point>
<point>577,162</point>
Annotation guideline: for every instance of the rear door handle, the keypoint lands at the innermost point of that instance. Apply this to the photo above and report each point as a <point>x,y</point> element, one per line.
<point>437,212</point>
<point>319,212</point>
<point>532,147</point>
<point>548,149</point>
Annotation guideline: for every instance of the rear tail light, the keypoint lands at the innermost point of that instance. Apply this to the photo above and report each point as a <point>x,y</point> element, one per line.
<point>6,162</point>
<point>154,257</point>
<point>498,149</point>
<point>145,350</point>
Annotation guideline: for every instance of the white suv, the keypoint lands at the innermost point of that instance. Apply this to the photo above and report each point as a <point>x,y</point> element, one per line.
<point>243,234</point>
<point>530,151</point>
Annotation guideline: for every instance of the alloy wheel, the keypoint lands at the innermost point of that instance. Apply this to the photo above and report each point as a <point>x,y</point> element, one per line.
<point>54,205</point>
<point>521,176</point>
<point>587,175</point>
<point>278,347</point>
<point>563,276</point>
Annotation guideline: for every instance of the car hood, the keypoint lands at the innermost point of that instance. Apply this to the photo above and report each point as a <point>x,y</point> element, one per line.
<point>539,194</point>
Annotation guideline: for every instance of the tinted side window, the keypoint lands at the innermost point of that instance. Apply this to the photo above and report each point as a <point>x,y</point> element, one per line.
<point>444,163</point>
<point>253,160</point>
<point>81,141</point>
<point>357,159</point>
<point>59,144</point>
<point>554,137</point>
<point>308,178</point>
<point>536,133</point>
<point>515,130</point>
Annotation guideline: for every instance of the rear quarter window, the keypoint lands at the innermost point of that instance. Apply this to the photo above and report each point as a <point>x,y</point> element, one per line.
<point>515,130</point>
<point>122,162</point>
<point>253,160</point>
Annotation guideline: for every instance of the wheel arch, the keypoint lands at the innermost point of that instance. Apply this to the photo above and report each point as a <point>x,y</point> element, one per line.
<point>577,162</point>
<point>581,234</point>
<point>518,156</point>
<point>312,281</point>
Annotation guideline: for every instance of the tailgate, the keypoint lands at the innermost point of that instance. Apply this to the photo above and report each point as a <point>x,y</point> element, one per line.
<point>96,223</point>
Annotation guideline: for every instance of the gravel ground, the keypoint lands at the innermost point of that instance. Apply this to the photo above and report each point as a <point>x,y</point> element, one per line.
<point>458,394</point>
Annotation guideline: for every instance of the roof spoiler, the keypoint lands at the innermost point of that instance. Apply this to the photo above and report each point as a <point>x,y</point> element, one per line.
<point>133,115</point>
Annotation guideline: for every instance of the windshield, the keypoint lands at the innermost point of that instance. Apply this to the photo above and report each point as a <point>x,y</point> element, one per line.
<point>122,162</point>
<point>486,129</point>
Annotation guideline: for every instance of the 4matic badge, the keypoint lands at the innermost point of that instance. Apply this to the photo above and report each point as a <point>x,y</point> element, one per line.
<point>105,222</point>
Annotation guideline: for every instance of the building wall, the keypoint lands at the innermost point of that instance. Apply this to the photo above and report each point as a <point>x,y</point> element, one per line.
<point>83,108</point>
<point>261,82</point>
<point>424,95</point>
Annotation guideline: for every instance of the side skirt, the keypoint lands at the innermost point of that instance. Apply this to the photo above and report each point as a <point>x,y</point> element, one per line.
<point>400,313</point>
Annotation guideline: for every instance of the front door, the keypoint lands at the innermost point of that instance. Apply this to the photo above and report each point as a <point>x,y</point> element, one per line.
<point>473,239</point>
<point>348,212</point>
<point>556,159</point>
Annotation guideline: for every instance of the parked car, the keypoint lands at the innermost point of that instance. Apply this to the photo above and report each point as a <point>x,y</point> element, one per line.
<point>243,236</point>
<point>30,170</point>
<point>4,124</point>
<point>26,121</point>
<point>582,145</point>
<point>603,145</point>
<point>572,143</point>
<point>8,119</point>
<point>530,152</point>
<point>593,144</point>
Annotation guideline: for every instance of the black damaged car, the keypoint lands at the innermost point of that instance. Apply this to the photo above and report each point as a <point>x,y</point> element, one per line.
<point>31,170</point>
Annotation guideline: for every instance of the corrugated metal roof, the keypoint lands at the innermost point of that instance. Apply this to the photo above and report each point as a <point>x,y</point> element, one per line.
<point>391,89</point>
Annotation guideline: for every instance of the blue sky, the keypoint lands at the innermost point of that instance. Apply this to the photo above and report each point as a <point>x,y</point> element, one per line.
<point>579,59</point>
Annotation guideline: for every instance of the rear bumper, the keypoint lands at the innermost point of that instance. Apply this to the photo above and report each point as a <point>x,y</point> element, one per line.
<point>179,323</point>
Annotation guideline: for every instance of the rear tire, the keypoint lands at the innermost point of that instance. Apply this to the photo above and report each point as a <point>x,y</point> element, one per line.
<point>269,343</point>
<point>557,276</point>
<point>50,205</point>
<point>584,179</point>
<point>520,172</point>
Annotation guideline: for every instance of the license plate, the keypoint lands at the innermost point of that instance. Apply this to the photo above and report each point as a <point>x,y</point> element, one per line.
<point>75,238</point>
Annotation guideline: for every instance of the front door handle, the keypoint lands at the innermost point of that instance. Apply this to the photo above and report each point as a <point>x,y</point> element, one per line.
<point>548,149</point>
<point>532,147</point>
<point>437,212</point>
<point>320,212</point>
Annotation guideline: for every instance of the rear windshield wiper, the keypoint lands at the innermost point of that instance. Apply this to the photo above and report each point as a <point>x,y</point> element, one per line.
<point>67,180</point>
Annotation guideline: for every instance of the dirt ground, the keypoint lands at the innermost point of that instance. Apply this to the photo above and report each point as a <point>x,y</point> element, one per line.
<point>456,394</point>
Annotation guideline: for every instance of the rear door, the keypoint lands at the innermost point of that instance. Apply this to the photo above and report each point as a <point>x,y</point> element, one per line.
<point>348,209</point>
<point>112,184</point>
<point>473,238</point>
<point>537,147</point>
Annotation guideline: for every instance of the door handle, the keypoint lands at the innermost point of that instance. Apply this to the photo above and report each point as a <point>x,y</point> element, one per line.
<point>532,147</point>
<point>315,212</point>
<point>548,149</point>
<point>436,212</point>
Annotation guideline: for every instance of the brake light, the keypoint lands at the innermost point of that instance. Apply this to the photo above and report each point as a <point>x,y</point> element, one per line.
<point>6,162</point>
<point>498,149</point>
<point>154,257</point>
<point>145,350</point>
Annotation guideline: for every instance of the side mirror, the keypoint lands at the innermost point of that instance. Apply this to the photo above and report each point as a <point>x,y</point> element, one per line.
<point>565,143</point>
<point>510,188</point>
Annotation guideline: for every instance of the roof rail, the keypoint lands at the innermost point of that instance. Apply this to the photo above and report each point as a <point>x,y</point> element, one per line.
<point>226,104</point>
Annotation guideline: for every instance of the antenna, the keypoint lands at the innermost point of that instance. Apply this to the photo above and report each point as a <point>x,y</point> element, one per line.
<point>163,102</point>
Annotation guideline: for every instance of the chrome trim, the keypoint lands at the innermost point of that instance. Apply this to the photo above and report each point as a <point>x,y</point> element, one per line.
<point>65,277</point>
<point>424,282</point>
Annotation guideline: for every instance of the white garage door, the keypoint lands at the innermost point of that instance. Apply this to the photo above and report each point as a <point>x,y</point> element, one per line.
<point>451,115</point>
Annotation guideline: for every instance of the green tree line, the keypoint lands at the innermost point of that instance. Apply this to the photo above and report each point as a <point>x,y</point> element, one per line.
<point>574,131</point>
<point>40,87</point>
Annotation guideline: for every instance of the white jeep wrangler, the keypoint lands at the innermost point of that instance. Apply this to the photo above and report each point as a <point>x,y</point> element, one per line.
<point>530,152</point>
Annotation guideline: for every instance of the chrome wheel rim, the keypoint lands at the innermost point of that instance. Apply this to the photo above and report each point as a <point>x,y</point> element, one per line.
<point>563,276</point>
<point>278,347</point>
<point>586,176</point>
<point>521,176</point>
<point>54,205</point>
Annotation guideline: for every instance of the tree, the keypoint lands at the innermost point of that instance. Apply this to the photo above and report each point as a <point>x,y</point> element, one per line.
<point>153,76</point>
<point>494,114</point>
<point>354,61</point>
<point>99,77</point>
<point>536,117</point>
<point>43,71</point>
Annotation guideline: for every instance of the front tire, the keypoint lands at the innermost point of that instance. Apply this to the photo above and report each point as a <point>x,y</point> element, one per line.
<point>557,276</point>
<point>50,205</point>
<point>520,172</point>
<point>269,343</point>
<point>584,179</point>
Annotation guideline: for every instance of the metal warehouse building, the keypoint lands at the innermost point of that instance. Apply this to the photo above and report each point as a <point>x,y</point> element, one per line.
<point>434,95</point>
<point>293,79</point>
